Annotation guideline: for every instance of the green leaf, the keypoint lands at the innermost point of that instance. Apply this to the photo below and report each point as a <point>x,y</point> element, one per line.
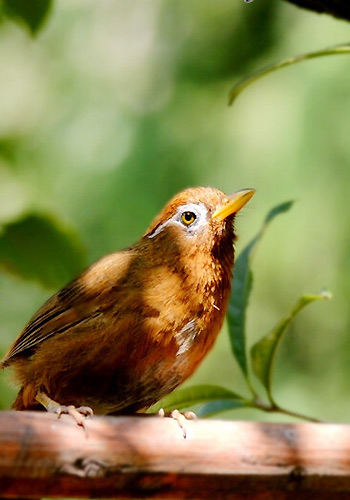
<point>38,247</point>
<point>263,353</point>
<point>30,12</point>
<point>240,86</point>
<point>242,285</point>
<point>277,210</point>
<point>190,396</point>
<point>214,407</point>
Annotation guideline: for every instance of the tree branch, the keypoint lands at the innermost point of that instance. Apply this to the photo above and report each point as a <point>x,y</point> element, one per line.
<point>147,457</point>
<point>337,8</point>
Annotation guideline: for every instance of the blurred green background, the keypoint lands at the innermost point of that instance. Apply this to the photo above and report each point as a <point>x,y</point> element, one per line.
<point>115,106</point>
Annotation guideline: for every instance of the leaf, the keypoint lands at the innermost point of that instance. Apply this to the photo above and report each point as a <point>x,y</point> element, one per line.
<point>277,210</point>
<point>31,12</point>
<point>190,396</point>
<point>215,407</point>
<point>240,86</point>
<point>263,353</point>
<point>38,247</point>
<point>242,285</point>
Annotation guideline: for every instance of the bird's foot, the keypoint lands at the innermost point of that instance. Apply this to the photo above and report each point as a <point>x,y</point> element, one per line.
<point>180,418</point>
<point>79,414</point>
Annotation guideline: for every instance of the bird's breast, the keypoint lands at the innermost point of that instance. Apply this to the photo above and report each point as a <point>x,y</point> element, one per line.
<point>186,337</point>
<point>169,326</point>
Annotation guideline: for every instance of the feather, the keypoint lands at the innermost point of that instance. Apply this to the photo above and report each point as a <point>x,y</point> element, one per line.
<point>82,299</point>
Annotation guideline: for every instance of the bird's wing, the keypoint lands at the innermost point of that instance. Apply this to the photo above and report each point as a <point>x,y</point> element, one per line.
<point>86,297</point>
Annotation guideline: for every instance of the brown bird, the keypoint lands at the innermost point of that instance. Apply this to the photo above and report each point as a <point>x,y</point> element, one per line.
<point>138,322</point>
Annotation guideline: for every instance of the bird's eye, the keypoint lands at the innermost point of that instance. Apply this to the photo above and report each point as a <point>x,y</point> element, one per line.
<point>188,218</point>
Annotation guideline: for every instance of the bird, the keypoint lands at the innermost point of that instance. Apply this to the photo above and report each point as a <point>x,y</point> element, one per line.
<point>136,323</point>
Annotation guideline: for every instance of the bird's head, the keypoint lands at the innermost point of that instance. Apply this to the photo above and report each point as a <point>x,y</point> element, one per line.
<point>199,219</point>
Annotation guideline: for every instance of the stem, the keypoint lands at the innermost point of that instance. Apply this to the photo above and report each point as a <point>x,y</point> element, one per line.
<point>297,415</point>
<point>240,86</point>
<point>274,408</point>
<point>251,388</point>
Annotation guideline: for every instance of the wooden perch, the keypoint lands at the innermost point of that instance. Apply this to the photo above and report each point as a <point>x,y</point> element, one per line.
<point>147,457</point>
<point>337,8</point>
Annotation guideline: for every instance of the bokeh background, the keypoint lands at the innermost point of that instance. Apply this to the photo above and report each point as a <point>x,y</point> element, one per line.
<point>115,106</point>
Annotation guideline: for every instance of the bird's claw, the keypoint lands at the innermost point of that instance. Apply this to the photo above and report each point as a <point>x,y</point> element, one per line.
<point>180,418</point>
<point>79,414</point>
<point>86,411</point>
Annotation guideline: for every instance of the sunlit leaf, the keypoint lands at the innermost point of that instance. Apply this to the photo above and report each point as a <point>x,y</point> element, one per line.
<point>263,353</point>
<point>214,407</point>
<point>240,86</point>
<point>30,12</point>
<point>38,247</point>
<point>190,396</point>
<point>242,284</point>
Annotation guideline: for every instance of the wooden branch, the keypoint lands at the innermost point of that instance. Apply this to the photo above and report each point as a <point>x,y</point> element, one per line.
<point>147,457</point>
<point>337,8</point>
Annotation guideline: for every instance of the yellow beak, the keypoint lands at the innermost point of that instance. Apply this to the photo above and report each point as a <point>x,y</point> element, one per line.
<point>236,201</point>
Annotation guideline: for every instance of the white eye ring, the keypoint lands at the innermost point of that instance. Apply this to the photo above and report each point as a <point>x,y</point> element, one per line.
<point>198,210</point>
